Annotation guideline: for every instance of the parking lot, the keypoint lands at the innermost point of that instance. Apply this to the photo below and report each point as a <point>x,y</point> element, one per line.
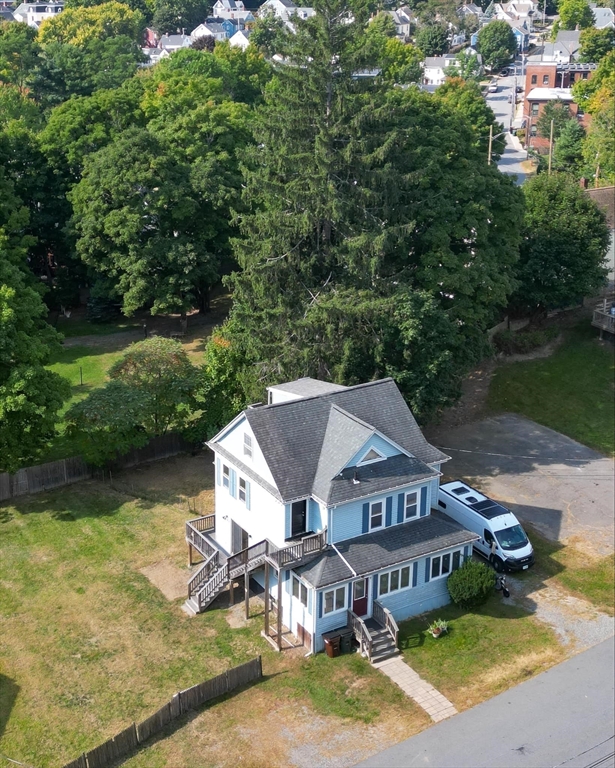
<point>559,486</point>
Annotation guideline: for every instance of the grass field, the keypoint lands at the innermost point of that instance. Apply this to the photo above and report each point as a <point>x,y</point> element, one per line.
<point>484,652</point>
<point>77,326</point>
<point>571,391</point>
<point>89,644</point>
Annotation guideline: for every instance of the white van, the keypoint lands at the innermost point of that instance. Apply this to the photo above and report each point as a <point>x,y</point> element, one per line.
<point>502,539</point>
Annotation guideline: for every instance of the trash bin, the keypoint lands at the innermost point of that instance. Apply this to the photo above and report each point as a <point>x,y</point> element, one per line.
<point>332,646</point>
<point>346,643</point>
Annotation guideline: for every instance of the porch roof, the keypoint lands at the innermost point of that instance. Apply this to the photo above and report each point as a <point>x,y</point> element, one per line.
<point>373,552</point>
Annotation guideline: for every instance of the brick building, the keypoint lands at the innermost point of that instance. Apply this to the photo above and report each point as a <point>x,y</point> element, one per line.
<point>545,82</point>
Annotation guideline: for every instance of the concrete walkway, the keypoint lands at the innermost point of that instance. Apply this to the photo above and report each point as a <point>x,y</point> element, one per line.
<point>437,706</point>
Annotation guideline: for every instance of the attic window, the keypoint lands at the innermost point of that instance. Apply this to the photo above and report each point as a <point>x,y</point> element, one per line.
<point>247,445</point>
<point>370,456</point>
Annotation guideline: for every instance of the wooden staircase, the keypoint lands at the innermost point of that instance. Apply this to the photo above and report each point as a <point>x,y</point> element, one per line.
<point>377,636</point>
<point>219,569</point>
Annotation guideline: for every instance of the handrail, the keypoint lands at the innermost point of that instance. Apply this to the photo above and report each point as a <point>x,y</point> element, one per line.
<point>384,617</point>
<point>315,542</point>
<point>219,577</point>
<point>244,556</point>
<point>203,574</point>
<point>360,631</point>
<point>198,540</point>
<point>604,320</point>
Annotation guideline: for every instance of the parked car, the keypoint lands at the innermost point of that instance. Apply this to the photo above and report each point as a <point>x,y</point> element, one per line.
<point>519,89</point>
<point>503,541</point>
<point>504,73</point>
<point>493,87</point>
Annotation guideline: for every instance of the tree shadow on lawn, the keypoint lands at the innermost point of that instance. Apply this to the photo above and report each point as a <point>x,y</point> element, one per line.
<point>9,690</point>
<point>86,499</point>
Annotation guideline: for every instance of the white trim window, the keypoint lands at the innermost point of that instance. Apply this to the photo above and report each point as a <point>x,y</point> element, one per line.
<point>392,581</point>
<point>376,515</point>
<point>226,476</point>
<point>334,600</point>
<point>441,565</point>
<point>300,591</point>
<point>412,505</point>
<point>247,445</point>
<point>242,489</point>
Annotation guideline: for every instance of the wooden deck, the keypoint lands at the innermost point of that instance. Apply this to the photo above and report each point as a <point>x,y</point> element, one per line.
<point>604,320</point>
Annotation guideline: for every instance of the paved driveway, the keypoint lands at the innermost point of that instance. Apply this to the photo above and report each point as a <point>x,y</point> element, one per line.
<point>558,485</point>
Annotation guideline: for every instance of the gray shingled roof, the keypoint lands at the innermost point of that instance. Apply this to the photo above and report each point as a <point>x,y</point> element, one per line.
<point>308,387</point>
<point>292,434</point>
<point>373,552</point>
<point>378,477</point>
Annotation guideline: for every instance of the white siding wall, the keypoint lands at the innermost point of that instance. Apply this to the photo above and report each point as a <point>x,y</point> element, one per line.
<point>233,442</point>
<point>264,519</point>
<point>293,610</point>
<point>435,485</point>
<point>347,519</point>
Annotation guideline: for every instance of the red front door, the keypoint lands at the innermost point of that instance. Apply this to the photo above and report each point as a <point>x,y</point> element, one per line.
<point>359,597</point>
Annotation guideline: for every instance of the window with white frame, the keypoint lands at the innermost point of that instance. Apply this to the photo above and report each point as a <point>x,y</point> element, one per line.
<point>335,600</point>
<point>412,506</point>
<point>394,580</point>
<point>442,565</point>
<point>242,489</point>
<point>226,476</point>
<point>371,456</point>
<point>376,519</point>
<point>300,591</point>
<point>247,445</point>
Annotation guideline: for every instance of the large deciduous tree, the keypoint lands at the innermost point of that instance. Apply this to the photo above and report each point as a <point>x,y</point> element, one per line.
<point>575,14</point>
<point>432,39</point>
<point>565,239</point>
<point>596,43</point>
<point>77,26</point>
<point>497,44</point>
<point>557,112</point>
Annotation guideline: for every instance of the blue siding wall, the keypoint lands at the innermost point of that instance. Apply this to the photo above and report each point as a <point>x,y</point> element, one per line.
<point>328,622</point>
<point>411,602</point>
<point>379,444</point>
<point>314,522</point>
<point>347,519</point>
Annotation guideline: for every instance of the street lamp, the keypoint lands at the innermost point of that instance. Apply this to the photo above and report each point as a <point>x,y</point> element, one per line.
<point>491,138</point>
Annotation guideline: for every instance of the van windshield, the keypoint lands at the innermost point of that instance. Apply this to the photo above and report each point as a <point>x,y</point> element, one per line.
<point>512,538</point>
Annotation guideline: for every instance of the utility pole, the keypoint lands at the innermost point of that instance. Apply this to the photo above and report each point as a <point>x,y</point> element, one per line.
<point>490,144</point>
<point>551,147</point>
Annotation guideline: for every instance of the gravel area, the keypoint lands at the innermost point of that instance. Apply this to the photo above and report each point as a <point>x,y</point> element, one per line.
<point>577,623</point>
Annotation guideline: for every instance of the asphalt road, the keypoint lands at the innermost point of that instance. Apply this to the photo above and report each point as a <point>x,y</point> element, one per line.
<point>562,718</point>
<point>559,486</point>
<point>503,105</point>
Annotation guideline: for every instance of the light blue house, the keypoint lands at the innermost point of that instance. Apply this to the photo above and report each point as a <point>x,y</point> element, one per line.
<point>323,497</point>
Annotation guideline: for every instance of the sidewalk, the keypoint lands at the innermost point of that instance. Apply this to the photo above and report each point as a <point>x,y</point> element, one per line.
<point>437,706</point>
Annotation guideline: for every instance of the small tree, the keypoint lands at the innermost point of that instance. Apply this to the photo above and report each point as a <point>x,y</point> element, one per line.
<point>466,66</point>
<point>557,111</point>
<point>596,43</point>
<point>161,371</point>
<point>497,44</point>
<point>471,585</point>
<point>568,150</point>
<point>432,39</point>
<point>204,43</point>
<point>575,14</point>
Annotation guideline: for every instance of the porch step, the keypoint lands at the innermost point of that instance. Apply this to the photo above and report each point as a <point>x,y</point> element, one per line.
<point>190,607</point>
<point>384,653</point>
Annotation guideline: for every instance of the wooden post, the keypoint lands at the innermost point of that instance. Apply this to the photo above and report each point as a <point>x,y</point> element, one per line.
<point>189,554</point>
<point>231,592</point>
<point>279,638</point>
<point>267,596</point>
<point>247,591</point>
<point>551,147</point>
<point>490,144</point>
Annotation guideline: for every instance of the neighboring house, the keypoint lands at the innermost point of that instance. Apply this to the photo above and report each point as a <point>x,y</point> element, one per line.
<point>470,9</point>
<point>222,8</point>
<point>241,39</point>
<point>403,18</point>
<point>220,31</point>
<point>33,14</point>
<point>172,43</point>
<point>151,37</point>
<point>6,14</point>
<point>603,17</point>
<point>520,28</point>
<point>564,50</point>
<point>434,68</point>
<point>323,497</point>
<point>154,55</point>
<point>285,10</point>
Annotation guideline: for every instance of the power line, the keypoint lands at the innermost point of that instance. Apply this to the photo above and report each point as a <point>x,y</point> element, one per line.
<point>510,455</point>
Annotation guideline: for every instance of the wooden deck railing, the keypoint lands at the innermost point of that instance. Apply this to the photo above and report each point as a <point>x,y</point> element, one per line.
<point>248,555</point>
<point>603,320</point>
<point>219,578</point>
<point>197,538</point>
<point>296,552</point>
<point>204,524</point>
<point>385,618</point>
<point>360,632</point>
<point>203,574</point>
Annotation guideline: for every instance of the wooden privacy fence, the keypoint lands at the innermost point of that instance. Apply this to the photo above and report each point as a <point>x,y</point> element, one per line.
<point>184,701</point>
<point>53,474</point>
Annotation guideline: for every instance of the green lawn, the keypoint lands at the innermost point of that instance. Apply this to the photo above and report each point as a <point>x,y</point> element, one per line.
<point>89,644</point>
<point>76,326</point>
<point>484,651</point>
<point>571,391</point>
